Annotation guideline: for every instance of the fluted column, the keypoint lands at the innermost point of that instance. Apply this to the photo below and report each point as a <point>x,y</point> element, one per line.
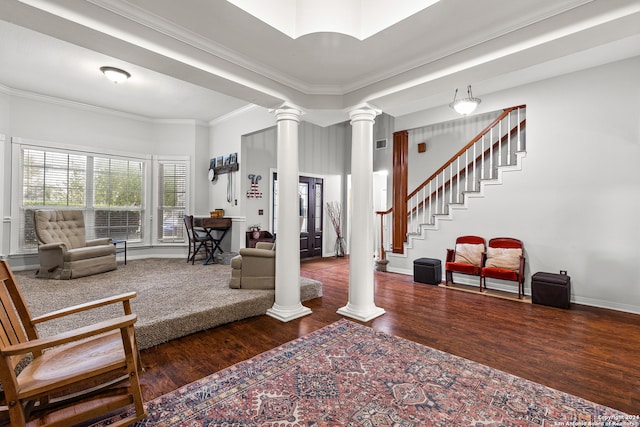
<point>361,305</point>
<point>287,305</point>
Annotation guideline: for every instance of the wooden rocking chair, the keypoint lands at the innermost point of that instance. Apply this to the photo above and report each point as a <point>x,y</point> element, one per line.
<point>71,377</point>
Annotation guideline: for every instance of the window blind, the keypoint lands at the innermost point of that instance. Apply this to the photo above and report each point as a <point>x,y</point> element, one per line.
<point>109,190</point>
<point>172,196</point>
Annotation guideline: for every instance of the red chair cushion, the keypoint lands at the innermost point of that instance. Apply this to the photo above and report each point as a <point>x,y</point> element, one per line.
<point>462,268</point>
<point>500,273</point>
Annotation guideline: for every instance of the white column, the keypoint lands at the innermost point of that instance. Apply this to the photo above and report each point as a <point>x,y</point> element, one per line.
<point>287,305</point>
<point>361,284</point>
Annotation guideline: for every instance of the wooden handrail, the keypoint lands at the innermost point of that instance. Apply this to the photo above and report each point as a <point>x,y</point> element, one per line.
<point>400,222</point>
<point>455,178</point>
<point>465,148</point>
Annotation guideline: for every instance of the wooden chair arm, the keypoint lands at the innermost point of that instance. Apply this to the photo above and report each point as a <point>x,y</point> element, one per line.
<point>451,255</point>
<point>84,307</point>
<point>41,344</point>
<point>521,268</point>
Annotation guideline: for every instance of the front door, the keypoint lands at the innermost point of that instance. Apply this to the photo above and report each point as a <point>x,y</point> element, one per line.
<point>311,223</point>
<point>311,213</point>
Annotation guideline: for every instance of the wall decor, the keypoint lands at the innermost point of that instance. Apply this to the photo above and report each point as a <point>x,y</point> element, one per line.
<point>254,192</point>
<point>224,164</point>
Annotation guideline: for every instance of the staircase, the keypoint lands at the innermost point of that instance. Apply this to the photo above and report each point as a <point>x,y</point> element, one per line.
<point>497,149</point>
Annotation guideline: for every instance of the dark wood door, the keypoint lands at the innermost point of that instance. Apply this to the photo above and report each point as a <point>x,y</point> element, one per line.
<point>311,214</point>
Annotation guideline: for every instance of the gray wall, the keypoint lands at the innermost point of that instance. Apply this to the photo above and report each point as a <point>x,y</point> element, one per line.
<point>323,152</point>
<point>49,120</point>
<point>576,202</point>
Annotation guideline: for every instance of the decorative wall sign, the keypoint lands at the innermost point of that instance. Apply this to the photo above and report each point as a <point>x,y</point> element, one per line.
<point>254,192</point>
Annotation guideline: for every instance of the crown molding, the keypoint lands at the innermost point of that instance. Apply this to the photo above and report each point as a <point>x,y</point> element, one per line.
<point>95,109</point>
<point>72,104</point>
<point>233,114</point>
<point>190,122</point>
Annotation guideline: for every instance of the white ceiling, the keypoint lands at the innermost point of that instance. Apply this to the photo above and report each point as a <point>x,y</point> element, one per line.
<point>201,59</point>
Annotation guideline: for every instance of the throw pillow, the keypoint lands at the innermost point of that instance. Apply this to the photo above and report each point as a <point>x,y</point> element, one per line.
<point>468,253</point>
<point>508,258</point>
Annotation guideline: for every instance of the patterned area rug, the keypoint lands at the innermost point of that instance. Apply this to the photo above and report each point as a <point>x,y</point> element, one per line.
<point>347,374</point>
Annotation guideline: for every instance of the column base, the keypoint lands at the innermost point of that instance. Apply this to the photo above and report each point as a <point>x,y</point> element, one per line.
<point>363,314</point>
<point>285,314</point>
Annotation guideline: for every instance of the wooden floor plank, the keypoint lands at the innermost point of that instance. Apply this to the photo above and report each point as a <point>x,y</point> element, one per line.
<point>585,351</point>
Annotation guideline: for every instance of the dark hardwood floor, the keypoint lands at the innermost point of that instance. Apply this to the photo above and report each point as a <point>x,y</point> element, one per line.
<point>584,351</point>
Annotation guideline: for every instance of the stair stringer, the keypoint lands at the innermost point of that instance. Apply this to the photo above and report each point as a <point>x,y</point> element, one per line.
<point>426,229</point>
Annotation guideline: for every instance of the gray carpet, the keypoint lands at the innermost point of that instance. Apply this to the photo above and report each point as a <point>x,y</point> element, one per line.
<point>174,298</point>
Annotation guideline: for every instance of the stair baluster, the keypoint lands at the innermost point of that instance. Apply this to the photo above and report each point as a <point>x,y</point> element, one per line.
<point>434,190</point>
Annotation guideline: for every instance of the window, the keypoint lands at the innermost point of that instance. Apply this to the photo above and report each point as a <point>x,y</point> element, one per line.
<point>117,198</point>
<point>172,200</point>
<point>108,189</point>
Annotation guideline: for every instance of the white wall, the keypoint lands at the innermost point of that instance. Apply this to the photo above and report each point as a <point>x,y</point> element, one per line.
<point>62,123</point>
<point>323,152</point>
<point>5,112</point>
<point>259,151</point>
<point>443,142</point>
<point>191,139</point>
<point>226,138</point>
<point>576,202</point>
<point>49,120</point>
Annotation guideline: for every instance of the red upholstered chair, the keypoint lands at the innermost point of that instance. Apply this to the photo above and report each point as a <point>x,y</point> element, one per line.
<point>505,261</point>
<point>466,258</point>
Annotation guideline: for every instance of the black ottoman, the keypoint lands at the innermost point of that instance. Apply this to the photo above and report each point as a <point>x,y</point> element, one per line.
<point>551,289</point>
<point>427,270</point>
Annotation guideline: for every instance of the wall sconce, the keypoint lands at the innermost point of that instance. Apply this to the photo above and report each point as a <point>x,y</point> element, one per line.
<point>467,105</point>
<point>116,75</point>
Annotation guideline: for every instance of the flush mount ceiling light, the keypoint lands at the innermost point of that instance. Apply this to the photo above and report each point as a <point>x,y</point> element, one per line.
<point>114,74</point>
<point>467,105</point>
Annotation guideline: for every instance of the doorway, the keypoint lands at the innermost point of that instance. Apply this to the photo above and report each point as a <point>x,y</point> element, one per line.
<point>311,196</point>
<point>311,213</point>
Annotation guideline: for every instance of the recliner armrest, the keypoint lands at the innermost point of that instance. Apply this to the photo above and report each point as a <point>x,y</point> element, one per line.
<point>260,253</point>
<point>55,246</point>
<point>98,242</point>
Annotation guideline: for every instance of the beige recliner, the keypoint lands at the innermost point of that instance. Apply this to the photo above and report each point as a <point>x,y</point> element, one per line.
<point>254,268</point>
<point>63,250</point>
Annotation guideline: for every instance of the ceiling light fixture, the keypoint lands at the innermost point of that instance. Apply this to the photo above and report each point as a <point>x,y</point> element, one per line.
<point>467,105</point>
<point>114,74</point>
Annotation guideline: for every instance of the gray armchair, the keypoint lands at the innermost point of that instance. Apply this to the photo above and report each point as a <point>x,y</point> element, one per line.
<point>63,250</point>
<point>254,268</point>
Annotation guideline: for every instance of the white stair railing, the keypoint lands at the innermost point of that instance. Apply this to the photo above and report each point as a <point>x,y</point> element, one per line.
<point>495,147</point>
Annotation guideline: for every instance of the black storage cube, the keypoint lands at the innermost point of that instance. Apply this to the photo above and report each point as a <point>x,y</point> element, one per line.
<point>551,289</point>
<point>427,270</point>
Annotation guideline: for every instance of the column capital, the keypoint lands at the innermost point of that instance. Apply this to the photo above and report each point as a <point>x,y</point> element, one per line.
<point>363,112</point>
<point>287,111</point>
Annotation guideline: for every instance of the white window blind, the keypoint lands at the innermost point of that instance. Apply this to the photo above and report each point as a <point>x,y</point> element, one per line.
<point>172,200</point>
<point>118,193</point>
<point>109,190</point>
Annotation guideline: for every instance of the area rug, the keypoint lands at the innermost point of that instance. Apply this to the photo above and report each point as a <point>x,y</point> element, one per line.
<point>346,374</point>
<point>174,298</point>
